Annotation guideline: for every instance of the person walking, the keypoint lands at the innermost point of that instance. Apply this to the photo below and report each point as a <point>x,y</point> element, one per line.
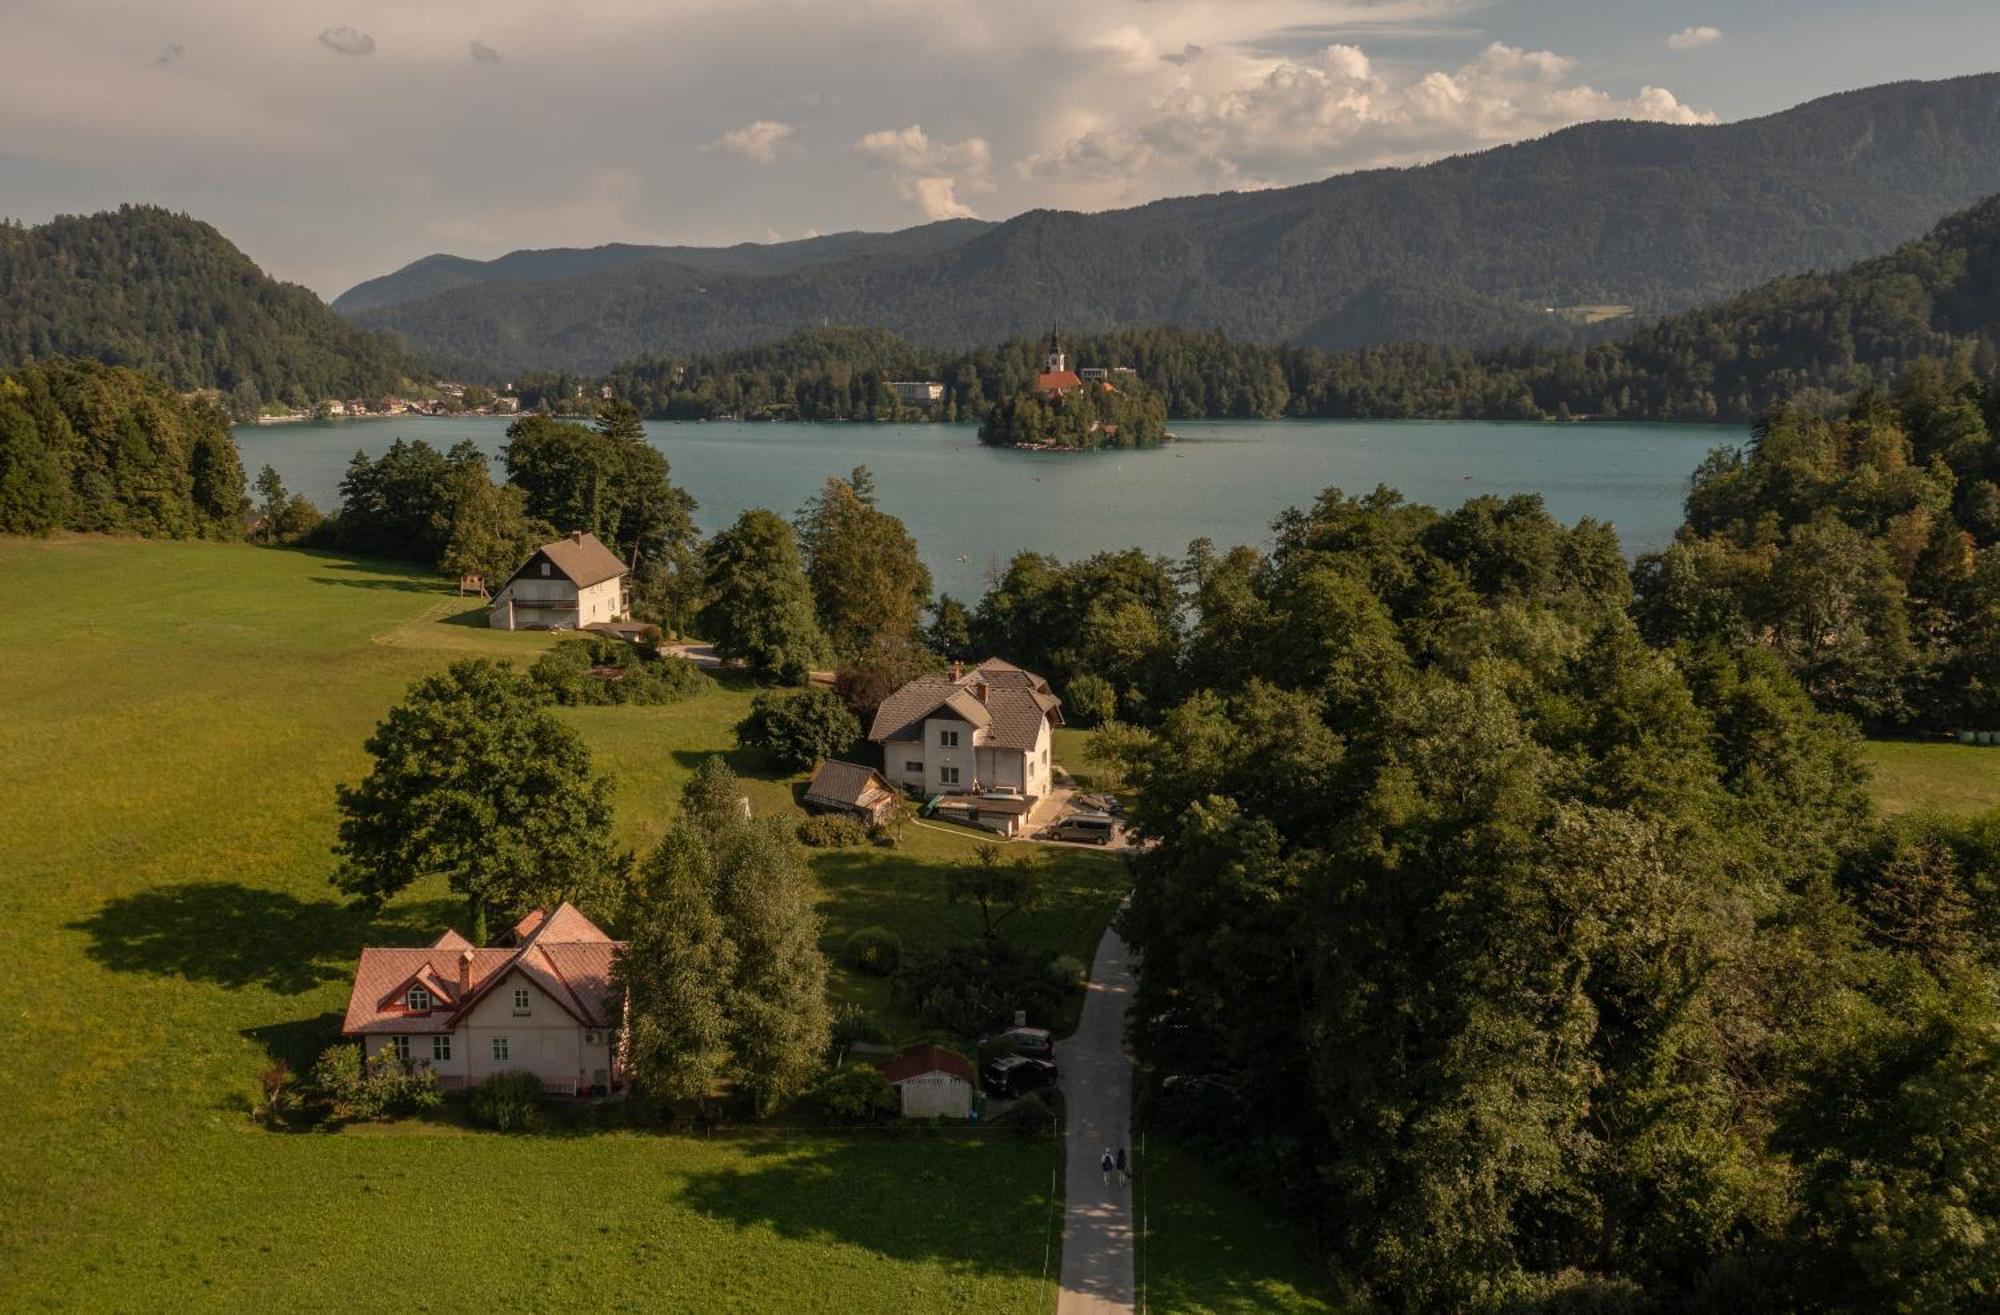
<point>1106,1164</point>
<point>1124,1169</point>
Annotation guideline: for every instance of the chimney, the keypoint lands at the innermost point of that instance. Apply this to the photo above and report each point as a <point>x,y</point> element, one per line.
<point>981,690</point>
<point>957,672</point>
<point>464,973</point>
<point>576,536</point>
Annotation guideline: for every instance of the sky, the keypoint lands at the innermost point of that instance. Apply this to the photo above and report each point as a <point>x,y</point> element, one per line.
<point>340,139</point>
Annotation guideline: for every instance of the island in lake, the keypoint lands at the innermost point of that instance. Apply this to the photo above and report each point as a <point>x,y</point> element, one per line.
<point>1077,410</point>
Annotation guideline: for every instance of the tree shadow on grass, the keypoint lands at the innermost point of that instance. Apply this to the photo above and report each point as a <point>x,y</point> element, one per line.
<point>297,1041</point>
<point>882,1194</point>
<point>238,936</point>
<point>398,584</point>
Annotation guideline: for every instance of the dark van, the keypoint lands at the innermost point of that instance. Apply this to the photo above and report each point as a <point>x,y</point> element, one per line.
<point>1087,828</point>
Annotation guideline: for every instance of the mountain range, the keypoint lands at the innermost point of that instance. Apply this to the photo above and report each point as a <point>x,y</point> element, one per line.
<point>1510,244</point>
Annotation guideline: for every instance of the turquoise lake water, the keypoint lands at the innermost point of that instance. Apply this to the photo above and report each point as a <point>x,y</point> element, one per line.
<point>972,507</point>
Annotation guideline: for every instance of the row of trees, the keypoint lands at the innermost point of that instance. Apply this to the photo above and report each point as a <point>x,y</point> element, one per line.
<point>1535,966</point>
<point>97,448</point>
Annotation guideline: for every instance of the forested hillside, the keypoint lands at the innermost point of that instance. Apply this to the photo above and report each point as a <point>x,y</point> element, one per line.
<point>1464,251</point>
<point>143,287</point>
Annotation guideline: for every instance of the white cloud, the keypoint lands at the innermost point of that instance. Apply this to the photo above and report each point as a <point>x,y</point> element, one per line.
<point>347,41</point>
<point>1286,120</point>
<point>759,141</point>
<point>929,174</point>
<point>1693,38</point>
<point>484,54</point>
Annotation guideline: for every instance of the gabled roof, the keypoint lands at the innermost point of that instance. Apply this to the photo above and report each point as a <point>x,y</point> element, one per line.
<point>564,953</point>
<point>919,1060</point>
<point>1015,705</point>
<point>582,559</point>
<point>1057,381</point>
<point>847,785</point>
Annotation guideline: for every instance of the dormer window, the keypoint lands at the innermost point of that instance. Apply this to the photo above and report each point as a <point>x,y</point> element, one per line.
<point>520,1001</point>
<point>419,1000</point>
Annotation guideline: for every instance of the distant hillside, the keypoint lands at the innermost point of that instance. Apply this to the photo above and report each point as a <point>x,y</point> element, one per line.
<point>1469,250</point>
<point>434,274</point>
<point>167,294</point>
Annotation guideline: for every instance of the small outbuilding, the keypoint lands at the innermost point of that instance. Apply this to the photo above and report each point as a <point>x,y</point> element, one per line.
<point>850,788</point>
<point>931,1082</point>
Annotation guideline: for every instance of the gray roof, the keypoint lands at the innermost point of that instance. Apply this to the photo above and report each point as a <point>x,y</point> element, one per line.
<point>1016,704</point>
<point>582,559</point>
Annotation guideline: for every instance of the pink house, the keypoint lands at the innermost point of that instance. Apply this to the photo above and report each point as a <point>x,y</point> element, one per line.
<point>545,1006</point>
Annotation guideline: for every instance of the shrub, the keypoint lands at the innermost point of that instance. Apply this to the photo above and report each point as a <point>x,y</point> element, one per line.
<point>831,831</point>
<point>1033,1115</point>
<point>1090,700</point>
<point>876,951</point>
<point>342,1087</point>
<point>509,1101</point>
<point>1069,971</point>
<point>975,987</point>
<point>852,1023</point>
<point>798,729</point>
<point>601,669</point>
<point>857,1093</point>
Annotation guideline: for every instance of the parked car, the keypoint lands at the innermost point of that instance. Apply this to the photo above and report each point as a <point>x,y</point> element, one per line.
<point>1034,1042</point>
<point>1102,803</point>
<point>1088,828</point>
<point>1009,1076</point>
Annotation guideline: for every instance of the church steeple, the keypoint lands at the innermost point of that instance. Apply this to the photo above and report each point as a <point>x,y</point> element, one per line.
<point>1056,362</point>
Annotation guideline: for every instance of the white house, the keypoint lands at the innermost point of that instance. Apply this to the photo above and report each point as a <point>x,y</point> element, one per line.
<point>917,392</point>
<point>988,728</point>
<point>931,1081</point>
<point>566,585</point>
<point>543,1006</point>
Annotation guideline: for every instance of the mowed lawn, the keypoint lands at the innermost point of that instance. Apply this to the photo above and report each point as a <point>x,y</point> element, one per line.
<point>1952,778</point>
<point>177,716</point>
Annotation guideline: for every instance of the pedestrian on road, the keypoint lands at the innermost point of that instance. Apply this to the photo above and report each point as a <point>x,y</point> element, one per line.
<point>1106,1164</point>
<point>1124,1169</point>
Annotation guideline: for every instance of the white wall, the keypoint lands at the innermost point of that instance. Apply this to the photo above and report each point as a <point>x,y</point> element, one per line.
<point>546,1041</point>
<point>936,1094</point>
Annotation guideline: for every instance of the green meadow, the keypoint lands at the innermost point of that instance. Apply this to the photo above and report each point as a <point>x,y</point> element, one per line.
<point>1951,778</point>
<point>179,714</point>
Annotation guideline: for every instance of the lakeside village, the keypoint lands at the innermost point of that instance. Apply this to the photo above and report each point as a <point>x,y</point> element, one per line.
<point>1060,408</point>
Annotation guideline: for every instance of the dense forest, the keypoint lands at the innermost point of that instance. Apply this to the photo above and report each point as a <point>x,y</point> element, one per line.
<point>1097,415</point>
<point>1812,341</point>
<point>160,292</point>
<point>97,448</point>
<point>1471,250</point>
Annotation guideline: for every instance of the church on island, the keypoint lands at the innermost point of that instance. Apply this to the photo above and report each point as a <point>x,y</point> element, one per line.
<point>1068,409</point>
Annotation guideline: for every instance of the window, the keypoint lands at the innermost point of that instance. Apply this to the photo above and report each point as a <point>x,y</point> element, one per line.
<point>499,1049</point>
<point>948,739</point>
<point>402,1046</point>
<point>948,776</point>
<point>420,1000</point>
<point>520,1001</point>
<point>441,1047</point>
<point>545,568</point>
<point>590,1038</point>
<point>912,767</point>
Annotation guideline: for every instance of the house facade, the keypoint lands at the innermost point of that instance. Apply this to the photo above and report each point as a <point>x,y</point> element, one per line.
<point>931,1082</point>
<point>565,585</point>
<point>990,728</point>
<point>862,792</point>
<point>543,1006</point>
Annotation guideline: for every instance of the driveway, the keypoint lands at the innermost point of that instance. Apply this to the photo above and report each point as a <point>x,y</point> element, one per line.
<point>1097,1094</point>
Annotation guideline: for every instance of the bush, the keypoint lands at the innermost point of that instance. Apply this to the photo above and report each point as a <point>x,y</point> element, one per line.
<point>594,669</point>
<point>852,1023</point>
<point>798,729</point>
<point>1070,971</point>
<point>1090,700</point>
<point>342,1087</point>
<point>1033,1115</point>
<point>509,1102</point>
<point>856,1093</point>
<point>876,951</point>
<point>832,831</point>
<point>975,987</point>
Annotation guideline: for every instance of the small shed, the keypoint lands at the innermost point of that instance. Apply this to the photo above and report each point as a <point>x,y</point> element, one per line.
<point>839,787</point>
<point>931,1081</point>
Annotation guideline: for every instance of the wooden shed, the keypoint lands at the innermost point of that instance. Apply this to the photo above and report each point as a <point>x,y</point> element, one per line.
<point>839,787</point>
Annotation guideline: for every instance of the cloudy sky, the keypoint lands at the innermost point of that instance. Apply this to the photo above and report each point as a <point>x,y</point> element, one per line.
<point>339,139</point>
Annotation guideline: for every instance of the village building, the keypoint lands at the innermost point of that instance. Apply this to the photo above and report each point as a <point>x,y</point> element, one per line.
<point>917,392</point>
<point>990,729</point>
<point>543,1006</point>
<point>566,585</point>
<point>931,1082</point>
<point>850,788</point>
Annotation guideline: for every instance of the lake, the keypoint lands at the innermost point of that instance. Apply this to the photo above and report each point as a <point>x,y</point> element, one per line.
<point>972,507</point>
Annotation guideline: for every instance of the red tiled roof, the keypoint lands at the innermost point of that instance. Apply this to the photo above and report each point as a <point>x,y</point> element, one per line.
<point>919,1060</point>
<point>565,954</point>
<point>1057,381</point>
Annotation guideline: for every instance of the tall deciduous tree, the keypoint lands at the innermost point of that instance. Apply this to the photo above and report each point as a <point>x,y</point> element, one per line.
<point>758,607</point>
<point>780,1024</point>
<point>868,582</point>
<point>1001,889</point>
<point>476,782</point>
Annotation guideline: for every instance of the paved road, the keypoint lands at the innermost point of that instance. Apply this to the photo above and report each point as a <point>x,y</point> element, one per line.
<point>1097,1091</point>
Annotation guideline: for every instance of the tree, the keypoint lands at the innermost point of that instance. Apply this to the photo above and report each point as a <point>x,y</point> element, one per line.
<point>491,534</point>
<point>713,798</point>
<point>800,728</point>
<point>950,630</point>
<point>675,971</point>
<point>609,481</point>
<point>780,1023</point>
<point>868,582</point>
<point>1002,889</point>
<point>758,607</point>
<point>476,782</point>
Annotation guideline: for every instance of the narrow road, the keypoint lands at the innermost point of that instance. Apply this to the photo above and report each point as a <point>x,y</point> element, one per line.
<point>1097,1093</point>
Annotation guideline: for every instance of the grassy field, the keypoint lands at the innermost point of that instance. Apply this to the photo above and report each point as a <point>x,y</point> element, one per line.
<point>1953,778</point>
<point>177,717</point>
<point>1197,1257</point>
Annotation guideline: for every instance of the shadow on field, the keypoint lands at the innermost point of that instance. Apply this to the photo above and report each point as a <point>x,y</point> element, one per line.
<point>383,582</point>
<point>299,1041</point>
<point>238,936</point>
<point>883,1195</point>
